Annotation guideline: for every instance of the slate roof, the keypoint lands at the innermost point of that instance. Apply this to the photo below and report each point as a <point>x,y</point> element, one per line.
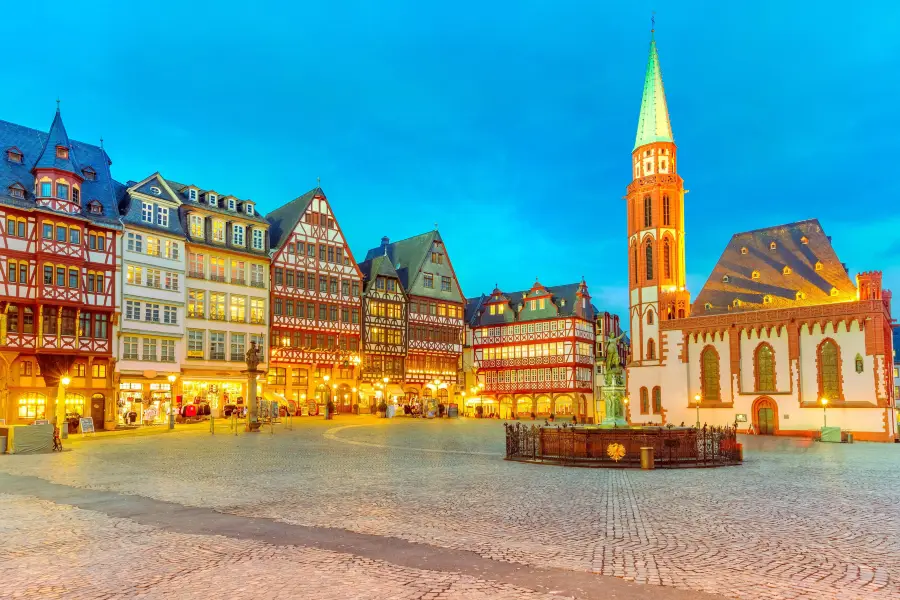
<point>31,143</point>
<point>284,219</point>
<point>408,255</point>
<point>57,136</point>
<point>815,286</point>
<point>130,207</point>
<point>558,293</point>
<point>180,190</point>
<point>380,265</point>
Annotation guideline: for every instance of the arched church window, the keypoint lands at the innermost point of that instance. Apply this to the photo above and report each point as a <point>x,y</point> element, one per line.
<point>657,400</point>
<point>859,363</point>
<point>649,253</point>
<point>649,317</point>
<point>667,260</point>
<point>765,368</point>
<point>645,401</point>
<point>648,206</point>
<point>665,210</point>
<point>635,264</point>
<point>709,374</point>
<point>829,374</point>
<point>651,349</point>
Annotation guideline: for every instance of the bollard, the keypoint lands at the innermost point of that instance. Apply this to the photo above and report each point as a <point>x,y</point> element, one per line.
<point>647,459</point>
<point>740,452</point>
<point>212,425</point>
<point>171,418</point>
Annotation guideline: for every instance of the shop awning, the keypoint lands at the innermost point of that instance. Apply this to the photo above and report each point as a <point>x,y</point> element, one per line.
<point>394,390</point>
<point>366,387</point>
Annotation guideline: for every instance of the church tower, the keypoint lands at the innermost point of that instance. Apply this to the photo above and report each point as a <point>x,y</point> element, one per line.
<point>656,270</point>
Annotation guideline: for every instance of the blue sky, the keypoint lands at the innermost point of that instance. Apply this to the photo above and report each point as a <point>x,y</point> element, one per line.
<point>509,123</point>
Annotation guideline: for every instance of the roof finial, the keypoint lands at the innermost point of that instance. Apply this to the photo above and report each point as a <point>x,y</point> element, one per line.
<point>435,225</point>
<point>57,104</point>
<point>318,182</point>
<point>652,23</point>
<point>101,142</point>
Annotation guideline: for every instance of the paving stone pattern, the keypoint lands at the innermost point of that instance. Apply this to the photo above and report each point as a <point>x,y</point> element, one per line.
<point>797,520</point>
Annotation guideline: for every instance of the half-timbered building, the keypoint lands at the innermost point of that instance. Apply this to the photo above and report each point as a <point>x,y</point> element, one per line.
<point>779,340</point>
<point>226,293</point>
<point>58,238</point>
<point>534,351</point>
<point>384,331</point>
<point>315,297</point>
<point>150,336</point>
<point>435,310</point>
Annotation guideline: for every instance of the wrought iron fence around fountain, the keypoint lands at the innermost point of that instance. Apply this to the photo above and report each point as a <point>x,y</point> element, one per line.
<point>621,447</point>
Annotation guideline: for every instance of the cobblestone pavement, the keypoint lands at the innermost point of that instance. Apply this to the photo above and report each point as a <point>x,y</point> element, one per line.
<point>797,520</point>
<point>54,551</point>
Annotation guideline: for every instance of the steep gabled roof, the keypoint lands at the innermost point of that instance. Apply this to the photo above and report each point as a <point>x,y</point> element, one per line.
<point>130,206</point>
<point>284,219</point>
<point>47,158</point>
<point>761,276</point>
<point>31,143</point>
<point>407,256</point>
<point>653,122</point>
<point>380,265</point>
<point>564,297</point>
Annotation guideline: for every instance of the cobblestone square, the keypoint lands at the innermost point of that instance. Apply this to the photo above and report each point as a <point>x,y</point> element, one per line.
<point>798,520</point>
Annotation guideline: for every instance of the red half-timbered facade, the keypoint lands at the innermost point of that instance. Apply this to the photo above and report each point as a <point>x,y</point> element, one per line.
<point>534,351</point>
<point>58,245</point>
<point>316,308</point>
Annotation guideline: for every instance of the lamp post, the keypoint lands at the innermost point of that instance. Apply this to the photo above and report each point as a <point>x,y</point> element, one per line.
<point>824,413</point>
<point>64,381</point>
<point>697,404</point>
<point>625,402</point>
<point>354,399</point>
<point>171,419</point>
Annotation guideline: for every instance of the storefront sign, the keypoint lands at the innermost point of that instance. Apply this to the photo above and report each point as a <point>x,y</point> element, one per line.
<point>87,425</point>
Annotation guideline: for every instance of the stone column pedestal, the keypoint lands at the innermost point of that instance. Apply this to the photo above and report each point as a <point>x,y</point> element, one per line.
<point>252,404</point>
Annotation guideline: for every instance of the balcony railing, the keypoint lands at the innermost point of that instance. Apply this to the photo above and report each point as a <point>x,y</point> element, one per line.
<point>216,317</point>
<point>196,274</point>
<point>258,320</point>
<point>258,284</point>
<point>216,355</point>
<point>238,280</point>
<point>219,278</point>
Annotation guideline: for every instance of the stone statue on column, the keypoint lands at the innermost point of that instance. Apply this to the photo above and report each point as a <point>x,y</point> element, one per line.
<point>252,359</point>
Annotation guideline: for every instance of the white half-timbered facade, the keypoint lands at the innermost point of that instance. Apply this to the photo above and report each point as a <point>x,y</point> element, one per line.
<point>534,352</point>
<point>384,324</point>
<point>315,298</point>
<point>59,230</point>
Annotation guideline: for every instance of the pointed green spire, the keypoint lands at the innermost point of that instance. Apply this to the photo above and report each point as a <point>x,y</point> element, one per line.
<point>653,124</point>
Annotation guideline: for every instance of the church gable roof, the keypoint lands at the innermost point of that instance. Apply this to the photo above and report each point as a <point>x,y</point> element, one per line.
<point>284,219</point>
<point>380,265</point>
<point>776,267</point>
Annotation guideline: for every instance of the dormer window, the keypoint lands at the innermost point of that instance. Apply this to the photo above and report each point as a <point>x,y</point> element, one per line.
<point>192,195</point>
<point>95,207</point>
<point>76,196</point>
<point>767,299</point>
<point>819,266</point>
<point>213,200</point>
<point>736,303</point>
<point>773,246</point>
<point>725,279</point>
<point>89,174</point>
<point>156,191</point>
<point>249,208</point>
<point>17,191</point>
<point>744,250</point>
<point>754,275</point>
<point>801,295</point>
<point>786,270</point>
<point>231,204</point>
<point>804,240</point>
<point>62,152</point>
<point>14,155</point>
<point>707,306</point>
<point>834,291</point>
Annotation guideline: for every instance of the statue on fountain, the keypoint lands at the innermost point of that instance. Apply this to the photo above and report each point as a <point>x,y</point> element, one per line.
<point>614,390</point>
<point>252,357</point>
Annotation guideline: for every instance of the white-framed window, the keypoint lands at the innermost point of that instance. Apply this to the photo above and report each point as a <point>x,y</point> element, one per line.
<point>249,208</point>
<point>256,275</point>
<point>192,194</point>
<point>218,231</point>
<point>167,348</point>
<point>217,345</point>
<point>170,315</point>
<point>134,275</point>
<point>154,278</point>
<point>149,350</point>
<point>259,339</point>
<point>231,204</point>
<point>237,346</point>
<point>152,246</point>
<point>146,212</point>
<point>237,235</point>
<point>134,242</point>
<point>195,343</point>
<point>257,239</point>
<point>213,200</point>
<point>238,308</point>
<point>172,282</point>
<point>172,249</point>
<point>257,311</point>
<point>162,216</point>
<point>151,313</point>
<point>133,310</point>
<point>129,348</point>
<point>196,227</point>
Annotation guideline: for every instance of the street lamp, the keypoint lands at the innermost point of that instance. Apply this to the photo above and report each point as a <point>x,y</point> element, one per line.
<point>61,406</point>
<point>824,412</point>
<point>171,419</point>
<point>625,401</point>
<point>697,404</point>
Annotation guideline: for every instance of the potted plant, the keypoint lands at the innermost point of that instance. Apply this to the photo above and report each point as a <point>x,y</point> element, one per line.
<point>382,409</point>
<point>552,416</point>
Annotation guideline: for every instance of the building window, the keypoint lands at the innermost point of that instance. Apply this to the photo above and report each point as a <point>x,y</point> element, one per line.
<point>765,368</point>
<point>146,212</point>
<point>196,308</point>
<point>162,216</point>
<point>754,275</point>
<point>709,374</point>
<point>829,370</point>
<point>238,308</point>
<point>237,346</point>
<point>237,235</point>
<point>196,227</point>
<point>32,405</point>
<point>153,246</point>
<point>95,207</point>
<point>648,216</point>
<point>167,351</point>
<point>98,370</point>
<point>648,250</point>
<point>429,280</point>
<point>667,259</point>
<point>257,311</point>
<point>192,194</point>
<point>135,242</point>
<point>650,317</point>
<point>257,239</point>
<point>657,401</point>
<point>170,315</point>
<point>149,350</point>
<point>665,210</point>
<point>129,348</point>
<point>195,344</point>
<point>445,284</point>
<point>218,231</point>
<point>635,261</point>
<point>62,191</point>
<point>249,209</point>
<point>13,155</point>
<point>645,401</point>
<point>651,349</point>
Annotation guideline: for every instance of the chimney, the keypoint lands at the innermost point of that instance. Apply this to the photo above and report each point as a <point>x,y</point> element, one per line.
<point>385,241</point>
